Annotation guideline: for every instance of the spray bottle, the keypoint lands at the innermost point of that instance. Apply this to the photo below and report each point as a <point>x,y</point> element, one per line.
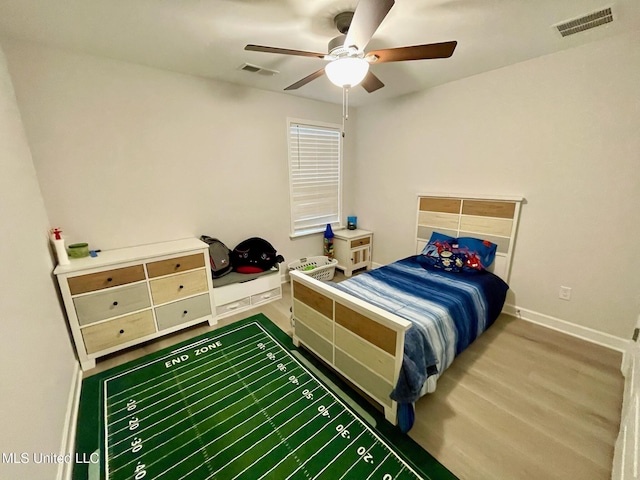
<point>328,241</point>
<point>58,242</point>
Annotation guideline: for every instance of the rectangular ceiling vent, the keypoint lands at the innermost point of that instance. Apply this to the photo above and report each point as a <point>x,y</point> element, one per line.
<point>248,67</point>
<point>586,22</point>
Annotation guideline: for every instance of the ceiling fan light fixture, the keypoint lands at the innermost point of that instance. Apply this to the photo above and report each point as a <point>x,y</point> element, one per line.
<point>347,71</point>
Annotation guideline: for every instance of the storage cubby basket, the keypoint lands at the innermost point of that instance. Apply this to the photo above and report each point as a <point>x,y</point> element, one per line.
<point>323,267</point>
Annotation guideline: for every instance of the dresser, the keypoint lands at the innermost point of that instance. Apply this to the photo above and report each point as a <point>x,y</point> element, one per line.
<point>352,249</point>
<point>131,295</point>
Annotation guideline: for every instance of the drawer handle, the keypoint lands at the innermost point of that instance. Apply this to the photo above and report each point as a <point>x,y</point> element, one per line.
<point>266,295</point>
<point>234,306</point>
<point>121,331</point>
<point>181,287</point>
<point>109,279</point>
<point>177,265</point>
<point>185,312</point>
<point>115,304</point>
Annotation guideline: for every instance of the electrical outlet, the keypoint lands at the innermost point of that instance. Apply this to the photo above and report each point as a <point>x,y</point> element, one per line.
<point>565,293</point>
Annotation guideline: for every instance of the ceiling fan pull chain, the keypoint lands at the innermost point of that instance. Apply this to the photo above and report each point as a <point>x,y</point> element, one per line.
<point>345,104</point>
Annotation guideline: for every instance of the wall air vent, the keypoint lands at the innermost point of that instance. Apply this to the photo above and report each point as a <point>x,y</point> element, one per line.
<point>586,22</point>
<point>248,67</point>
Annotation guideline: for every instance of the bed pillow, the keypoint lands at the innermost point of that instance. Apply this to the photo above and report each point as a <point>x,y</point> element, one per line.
<point>442,252</point>
<point>480,254</point>
<point>455,254</point>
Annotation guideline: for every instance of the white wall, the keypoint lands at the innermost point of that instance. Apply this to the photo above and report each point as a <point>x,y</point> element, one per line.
<point>36,358</point>
<point>128,155</point>
<point>563,131</point>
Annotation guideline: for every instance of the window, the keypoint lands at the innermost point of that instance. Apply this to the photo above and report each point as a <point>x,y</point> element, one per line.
<point>315,175</point>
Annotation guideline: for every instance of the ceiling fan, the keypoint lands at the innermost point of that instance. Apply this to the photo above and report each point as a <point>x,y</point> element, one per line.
<point>348,62</point>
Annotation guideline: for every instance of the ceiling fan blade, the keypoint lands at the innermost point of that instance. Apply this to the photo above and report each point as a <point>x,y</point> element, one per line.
<point>371,83</point>
<point>306,80</point>
<point>284,51</point>
<point>367,18</point>
<point>416,52</point>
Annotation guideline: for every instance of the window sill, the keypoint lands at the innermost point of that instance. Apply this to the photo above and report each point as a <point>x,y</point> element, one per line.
<point>308,233</point>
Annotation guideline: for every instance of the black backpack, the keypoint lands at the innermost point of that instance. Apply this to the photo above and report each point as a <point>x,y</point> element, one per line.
<point>219,256</point>
<point>254,255</point>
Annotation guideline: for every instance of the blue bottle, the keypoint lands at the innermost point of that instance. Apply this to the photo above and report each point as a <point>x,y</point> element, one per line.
<point>328,242</point>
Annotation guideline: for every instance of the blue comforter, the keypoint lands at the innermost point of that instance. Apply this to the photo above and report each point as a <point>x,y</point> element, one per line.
<point>448,311</point>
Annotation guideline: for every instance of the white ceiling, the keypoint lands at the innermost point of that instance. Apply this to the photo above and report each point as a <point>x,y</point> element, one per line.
<point>207,37</point>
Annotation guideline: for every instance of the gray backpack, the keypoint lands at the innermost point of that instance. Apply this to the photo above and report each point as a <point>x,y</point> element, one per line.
<point>218,255</point>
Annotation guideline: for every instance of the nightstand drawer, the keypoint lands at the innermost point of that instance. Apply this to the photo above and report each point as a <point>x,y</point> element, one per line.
<point>175,265</point>
<point>360,242</point>
<point>178,286</point>
<point>115,332</point>
<point>107,279</point>
<point>111,303</point>
<point>183,311</point>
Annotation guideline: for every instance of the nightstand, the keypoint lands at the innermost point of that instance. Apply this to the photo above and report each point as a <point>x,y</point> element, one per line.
<point>352,249</point>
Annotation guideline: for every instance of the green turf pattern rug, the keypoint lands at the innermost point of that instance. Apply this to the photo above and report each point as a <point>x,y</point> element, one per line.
<point>240,402</point>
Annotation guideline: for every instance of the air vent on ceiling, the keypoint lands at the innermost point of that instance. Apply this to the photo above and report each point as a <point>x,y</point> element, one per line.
<point>248,67</point>
<point>586,22</point>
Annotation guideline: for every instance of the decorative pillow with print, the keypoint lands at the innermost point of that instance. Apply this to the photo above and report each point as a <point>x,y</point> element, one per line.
<point>458,254</point>
<point>443,254</point>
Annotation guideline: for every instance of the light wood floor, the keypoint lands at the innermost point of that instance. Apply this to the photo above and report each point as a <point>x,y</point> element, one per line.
<point>522,402</point>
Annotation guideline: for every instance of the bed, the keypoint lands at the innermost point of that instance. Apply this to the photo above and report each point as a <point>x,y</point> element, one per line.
<point>393,331</point>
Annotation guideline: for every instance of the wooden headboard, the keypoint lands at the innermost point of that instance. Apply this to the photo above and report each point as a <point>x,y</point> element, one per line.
<point>488,218</point>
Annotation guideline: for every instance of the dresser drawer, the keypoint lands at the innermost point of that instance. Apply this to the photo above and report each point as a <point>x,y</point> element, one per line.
<point>115,332</point>
<point>175,287</point>
<point>360,242</point>
<point>111,303</point>
<point>233,306</point>
<point>175,265</point>
<point>183,311</point>
<point>264,296</point>
<point>106,279</point>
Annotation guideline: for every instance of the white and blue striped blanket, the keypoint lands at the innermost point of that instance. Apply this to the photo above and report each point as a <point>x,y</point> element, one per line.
<point>448,311</point>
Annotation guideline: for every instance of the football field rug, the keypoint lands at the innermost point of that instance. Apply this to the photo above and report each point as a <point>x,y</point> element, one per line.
<point>237,403</point>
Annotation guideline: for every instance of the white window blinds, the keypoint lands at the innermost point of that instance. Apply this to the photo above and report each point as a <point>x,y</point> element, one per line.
<point>315,153</point>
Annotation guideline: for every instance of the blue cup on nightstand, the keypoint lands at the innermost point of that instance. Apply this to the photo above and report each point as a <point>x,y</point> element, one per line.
<point>352,223</point>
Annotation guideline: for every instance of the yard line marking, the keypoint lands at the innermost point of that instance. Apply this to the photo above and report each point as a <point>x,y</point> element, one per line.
<point>171,405</point>
<point>291,434</point>
<point>187,347</point>
<point>169,355</point>
<point>168,374</point>
<point>286,443</point>
<point>137,432</point>
<point>201,370</point>
<point>358,459</point>
<point>165,398</point>
<point>217,373</point>
<point>318,451</point>
<point>303,443</point>
<point>209,429</point>
<point>228,446</point>
<point>378,466</point>
<point>335,457</point>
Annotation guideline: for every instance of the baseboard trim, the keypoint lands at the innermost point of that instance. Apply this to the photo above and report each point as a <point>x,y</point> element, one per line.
<point>584,333</point>
<point>65,469</point>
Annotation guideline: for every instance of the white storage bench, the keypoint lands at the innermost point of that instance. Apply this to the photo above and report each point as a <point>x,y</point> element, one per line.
<point>235,294</point>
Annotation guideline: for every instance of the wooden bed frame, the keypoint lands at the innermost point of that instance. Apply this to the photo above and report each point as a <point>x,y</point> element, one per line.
<point>364,343</point>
